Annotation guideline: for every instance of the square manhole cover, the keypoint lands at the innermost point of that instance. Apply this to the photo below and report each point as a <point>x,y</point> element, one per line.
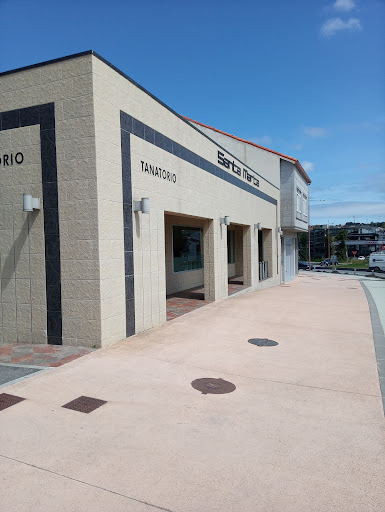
<point>84,404</point>
<point>7,400</point>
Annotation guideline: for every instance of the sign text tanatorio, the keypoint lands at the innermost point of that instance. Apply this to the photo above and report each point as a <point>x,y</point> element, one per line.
<point>10,159</point>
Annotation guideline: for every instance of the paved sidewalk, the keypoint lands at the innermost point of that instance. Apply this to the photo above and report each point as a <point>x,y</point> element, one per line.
<point>185,301</point>
<point>302,432</point>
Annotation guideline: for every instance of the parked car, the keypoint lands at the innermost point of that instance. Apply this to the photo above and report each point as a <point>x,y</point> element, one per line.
<point>328,262</point>
<point>304,265</point>
<point>361,258</point>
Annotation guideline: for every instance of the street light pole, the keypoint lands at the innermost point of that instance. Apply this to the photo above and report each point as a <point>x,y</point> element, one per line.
<point>309,226</point>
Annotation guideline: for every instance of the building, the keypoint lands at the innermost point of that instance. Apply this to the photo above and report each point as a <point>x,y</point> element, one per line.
<point>136,203</point>
<point>285,173</point>
<point>361,240</point>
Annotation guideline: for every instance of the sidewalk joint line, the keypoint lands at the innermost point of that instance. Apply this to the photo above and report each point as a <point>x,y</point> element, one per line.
<point>222,372</point>
<point>86,483</point>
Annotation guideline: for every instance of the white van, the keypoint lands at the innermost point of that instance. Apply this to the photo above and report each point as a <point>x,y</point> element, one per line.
<point>377,261</point>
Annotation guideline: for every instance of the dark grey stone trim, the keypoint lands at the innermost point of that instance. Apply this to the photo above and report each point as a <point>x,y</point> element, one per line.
<point>379,339</point>
<point>44,115</point>
<point>131,125</point>
<point>126,128</point>
<point>92,52</point>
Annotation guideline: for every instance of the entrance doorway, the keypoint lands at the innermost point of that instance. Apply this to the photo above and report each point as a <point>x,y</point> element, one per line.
<point>185,264</point>
<point>289,261</point>
<point>236,253</point>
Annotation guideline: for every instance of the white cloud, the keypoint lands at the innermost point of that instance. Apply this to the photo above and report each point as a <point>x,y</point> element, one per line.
<point>371,184</point>
<point>308,166</point>
<point>315,131</point>
<point>265,140</point>
<point>344,5</point>
<point>343,201</point>
<point>334,25</point>
<point>348,209</point>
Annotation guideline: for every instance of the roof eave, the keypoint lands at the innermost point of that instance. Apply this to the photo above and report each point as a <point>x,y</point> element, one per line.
<point>285,157</point>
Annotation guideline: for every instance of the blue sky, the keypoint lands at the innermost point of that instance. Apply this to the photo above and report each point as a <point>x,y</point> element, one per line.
<point>303,77</point>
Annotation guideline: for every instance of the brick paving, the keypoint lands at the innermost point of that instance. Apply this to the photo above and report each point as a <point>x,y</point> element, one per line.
<point>183,302</point>
<point>40,355</point>
<point>236,285</point>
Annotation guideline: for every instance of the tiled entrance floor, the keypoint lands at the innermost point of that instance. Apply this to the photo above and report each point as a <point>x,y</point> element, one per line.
<point>40,355</point>
<point>236,285</point>
<point>185,301</point>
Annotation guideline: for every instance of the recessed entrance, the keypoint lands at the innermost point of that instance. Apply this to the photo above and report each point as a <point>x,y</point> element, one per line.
<point>183,302</point>
<point>238,248</point>
<point>187,270</point>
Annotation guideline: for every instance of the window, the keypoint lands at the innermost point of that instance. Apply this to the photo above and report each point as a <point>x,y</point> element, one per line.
<point>187,248</point>
<point>304,206</point>
<point>230,246</point>
<point>298,201</point>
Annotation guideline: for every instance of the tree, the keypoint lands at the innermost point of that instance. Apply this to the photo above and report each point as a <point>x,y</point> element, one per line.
<point>303,246</point>
<point>341,237</point>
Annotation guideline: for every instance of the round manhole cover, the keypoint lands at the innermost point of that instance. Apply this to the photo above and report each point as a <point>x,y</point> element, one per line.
<point>262,342</point>
<point>213,386</point>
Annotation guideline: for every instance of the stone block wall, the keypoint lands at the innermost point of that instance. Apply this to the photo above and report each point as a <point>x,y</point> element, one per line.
<point>55,132</point>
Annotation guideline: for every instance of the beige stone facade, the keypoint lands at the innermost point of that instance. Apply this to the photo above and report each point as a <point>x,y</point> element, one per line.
<point>111,144</point>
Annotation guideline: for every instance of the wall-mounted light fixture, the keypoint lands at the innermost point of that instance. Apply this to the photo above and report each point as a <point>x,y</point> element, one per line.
<point>279,230</point>
<point>225,220</point>
<point>142,206</point>
<point>30,203</point>
<point>258,226</point>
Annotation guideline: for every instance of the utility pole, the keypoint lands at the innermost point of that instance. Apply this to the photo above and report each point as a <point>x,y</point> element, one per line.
<point>309,226</point>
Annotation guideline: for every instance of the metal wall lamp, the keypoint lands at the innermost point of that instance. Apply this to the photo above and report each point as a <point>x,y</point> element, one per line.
<point>30,203</point>
<point>225,220</point>
<point>142,206</point>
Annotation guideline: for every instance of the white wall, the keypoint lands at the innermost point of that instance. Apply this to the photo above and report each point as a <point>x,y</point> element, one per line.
<point>196,193</point>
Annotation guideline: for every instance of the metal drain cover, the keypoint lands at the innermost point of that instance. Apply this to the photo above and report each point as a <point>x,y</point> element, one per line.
<point>84,404</point>
<point>7,400</point>
<point>262,342</point>
<point>213,386</point>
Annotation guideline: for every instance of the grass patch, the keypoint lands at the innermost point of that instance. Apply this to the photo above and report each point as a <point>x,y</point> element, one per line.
<point>354,263</point>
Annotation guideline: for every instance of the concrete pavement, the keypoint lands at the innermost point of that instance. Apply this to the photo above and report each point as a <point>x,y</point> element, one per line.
<point>303,431</point>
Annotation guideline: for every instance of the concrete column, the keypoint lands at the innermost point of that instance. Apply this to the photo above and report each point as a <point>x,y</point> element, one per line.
<point>221,269</point>
<point>254,257</point>
<point>209,260</point>
<point>246,232</point>
<point>215,260</point>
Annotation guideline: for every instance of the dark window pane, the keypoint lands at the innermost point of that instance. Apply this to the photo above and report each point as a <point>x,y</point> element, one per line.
<point>187,248</point>
<point>230,246</point>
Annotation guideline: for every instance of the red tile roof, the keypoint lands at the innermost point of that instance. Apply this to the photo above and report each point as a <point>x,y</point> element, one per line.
<point>294,160</point>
